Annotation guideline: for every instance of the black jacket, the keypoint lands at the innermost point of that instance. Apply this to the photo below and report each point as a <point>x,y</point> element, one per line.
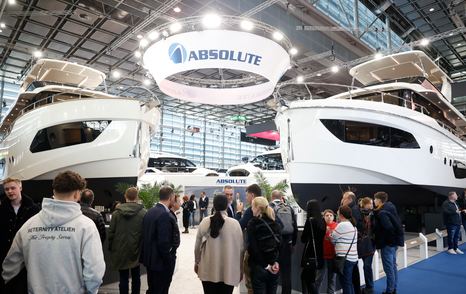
<point>263,247</point>
<point>318,232</point>
<point>450,216</point>
<point>159,239</point>
<point>10,222</point>
<point>204,203</point>
<point>366,242</point>
<point>388,230</point>
<point>97,218</point>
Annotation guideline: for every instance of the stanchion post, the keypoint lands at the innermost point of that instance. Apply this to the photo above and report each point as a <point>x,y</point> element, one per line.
<point>405,256</point>
<point>375,265</point>
<point>423,249</point>
<point>439,240</point>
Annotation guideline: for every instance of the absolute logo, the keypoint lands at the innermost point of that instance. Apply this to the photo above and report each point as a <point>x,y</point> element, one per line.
<point>231,181</point>
<point>178,54</point>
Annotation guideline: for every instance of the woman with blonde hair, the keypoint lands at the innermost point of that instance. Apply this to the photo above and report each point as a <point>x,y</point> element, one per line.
<point>264,245</point>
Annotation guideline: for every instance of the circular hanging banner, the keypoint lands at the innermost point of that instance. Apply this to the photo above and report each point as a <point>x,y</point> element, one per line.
<point>217,49</point>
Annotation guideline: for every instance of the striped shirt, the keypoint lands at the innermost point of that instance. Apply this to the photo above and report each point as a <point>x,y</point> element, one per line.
<point>342,237</point>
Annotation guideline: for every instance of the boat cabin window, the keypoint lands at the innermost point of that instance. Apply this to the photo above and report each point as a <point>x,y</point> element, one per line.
<point>170,164</point>
<point>68,134</point>
<point>370,134</point>
<point>268,161</point>
<point>459,169</point>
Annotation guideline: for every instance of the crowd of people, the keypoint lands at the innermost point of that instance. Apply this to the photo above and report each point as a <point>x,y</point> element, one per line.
<point>38,244</point>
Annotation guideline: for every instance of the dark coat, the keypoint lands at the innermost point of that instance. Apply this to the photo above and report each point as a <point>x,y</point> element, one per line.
<point>158,239</point>
<point>244,217</point>
<point>388,230</point>
<point>450,216</point>
<point>263,249</point>
<point>10,222</point>
<point>97,218</point>
<point>366,242</point>
<point>318,232</point>
<point>125,235</point>
<point>204,203</point>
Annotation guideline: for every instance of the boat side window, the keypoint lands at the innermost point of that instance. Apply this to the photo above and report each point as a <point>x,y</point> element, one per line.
<point>68,134</point>
<point>370,134</point>
<point>459,169</point>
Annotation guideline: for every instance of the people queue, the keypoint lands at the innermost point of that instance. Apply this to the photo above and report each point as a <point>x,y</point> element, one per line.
<point>259,241</point>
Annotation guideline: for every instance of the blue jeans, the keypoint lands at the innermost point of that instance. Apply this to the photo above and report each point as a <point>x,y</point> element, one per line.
<point>368,275</point>
<point>453,232</point>
<point>388,254</point>
<point>192,217</point>
<point>202,214</point>
<point>346,280</point>
<point>135,280</point>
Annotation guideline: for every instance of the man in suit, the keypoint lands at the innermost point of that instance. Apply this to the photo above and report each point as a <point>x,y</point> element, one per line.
<point>231,208</point>
<point>159,244</point>
<point>203,205</point>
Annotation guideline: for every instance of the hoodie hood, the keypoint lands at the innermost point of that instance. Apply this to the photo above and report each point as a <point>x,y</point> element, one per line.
<point>58,212</point>
<point>129,209</point>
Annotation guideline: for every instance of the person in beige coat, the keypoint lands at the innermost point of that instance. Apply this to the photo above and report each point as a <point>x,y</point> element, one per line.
<point>219,250</point>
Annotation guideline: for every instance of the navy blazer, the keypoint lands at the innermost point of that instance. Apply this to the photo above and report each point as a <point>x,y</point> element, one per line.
<point>158,239</point>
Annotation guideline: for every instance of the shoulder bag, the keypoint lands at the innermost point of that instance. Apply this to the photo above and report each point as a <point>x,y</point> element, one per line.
<point>310,261</point>
<point>340,260</point>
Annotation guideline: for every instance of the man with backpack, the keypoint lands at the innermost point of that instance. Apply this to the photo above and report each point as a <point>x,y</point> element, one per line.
<point>286,218</point>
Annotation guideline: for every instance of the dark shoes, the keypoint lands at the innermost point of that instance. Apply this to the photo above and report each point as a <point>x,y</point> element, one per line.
<point>368,290</point>
<point>185,231</point>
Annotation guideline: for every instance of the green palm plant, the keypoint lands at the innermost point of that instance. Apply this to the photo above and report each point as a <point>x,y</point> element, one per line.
<point>266,188</point>
<point>149,193</point>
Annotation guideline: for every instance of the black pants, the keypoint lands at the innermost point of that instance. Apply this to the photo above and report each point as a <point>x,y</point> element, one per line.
<point>356,280</point>
<point>135,280</point>
<point>308,280</point>
<point>285,264</point>
<point>159,282</point>
<point>263,281</point>
<point>216,288</point>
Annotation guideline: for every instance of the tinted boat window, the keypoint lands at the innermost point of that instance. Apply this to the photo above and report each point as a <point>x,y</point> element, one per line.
<point>370,134</point>
<point>68,134</point>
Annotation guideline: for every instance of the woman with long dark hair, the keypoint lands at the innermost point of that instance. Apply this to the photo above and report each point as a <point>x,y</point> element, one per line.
<point>312,237</point>
<point>345,238</point>
<point>219,250</point>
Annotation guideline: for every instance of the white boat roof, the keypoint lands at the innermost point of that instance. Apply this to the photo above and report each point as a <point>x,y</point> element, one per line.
<point>63,72</point>
<point>398,66</point>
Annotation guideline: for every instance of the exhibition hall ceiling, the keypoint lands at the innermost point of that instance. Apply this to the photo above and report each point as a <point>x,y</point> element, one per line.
<point>105,34</point>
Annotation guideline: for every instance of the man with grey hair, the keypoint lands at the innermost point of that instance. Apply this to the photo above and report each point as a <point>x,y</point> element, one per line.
<point>452,220</point>
<point>286,218</point>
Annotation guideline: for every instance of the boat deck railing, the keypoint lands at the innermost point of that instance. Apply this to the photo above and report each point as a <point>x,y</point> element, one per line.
<point>413,106</point>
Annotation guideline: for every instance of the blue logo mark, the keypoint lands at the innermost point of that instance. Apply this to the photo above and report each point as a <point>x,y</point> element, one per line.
<point>177,53</point>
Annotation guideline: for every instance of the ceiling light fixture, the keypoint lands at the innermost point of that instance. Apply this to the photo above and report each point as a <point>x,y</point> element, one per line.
<point>11,2</point>
<point>177,9</point>
<point>319,75</point>
<point>146,82</point>
<point>143,43</point>
<point>154,35</point>
<point>175,27</point>
<point>212,21</point>
<point>137,54</point>
<point>425,42</point>
<point>432,9</point>
<point>139,36</point>
<point>299,79</point>
<point>293,51</point>
<point>247,25</point>
<point>378,55</point>
<point>165,34</point>
<point>116,74</point>
<point>37,54</point>
<point>2,25</point>
<point>278,36</point>
<point>335,69</point>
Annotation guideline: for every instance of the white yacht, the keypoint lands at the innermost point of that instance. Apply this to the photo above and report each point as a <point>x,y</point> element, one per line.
<point>399,134</point>
<point>60,122</point>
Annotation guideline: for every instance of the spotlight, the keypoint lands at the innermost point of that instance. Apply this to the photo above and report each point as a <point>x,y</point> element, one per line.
<point>139,36</point>
<point>143,43</point>
<point>425,42</point>
<point>211,21</point>
<point>319,75</point>
<point>378,55</point>
<point>37,54</point>
<point>299,79</point>
<point>293,51</point>
<point>177,9</point>
<point>11,2</point>
<point>137,54</point>
<point>165,34</point>
<point>2,25</point>
<point>154,35</point>
<point>116,74</point>
<point>278,36</point>
<point>432,9</point>
<point>175,27</point>
<point>335,69</point>
<point>147,82</point>
<point>247,25</point>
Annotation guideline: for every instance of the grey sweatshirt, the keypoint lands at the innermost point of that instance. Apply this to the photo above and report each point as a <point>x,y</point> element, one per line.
<point>61,250</point>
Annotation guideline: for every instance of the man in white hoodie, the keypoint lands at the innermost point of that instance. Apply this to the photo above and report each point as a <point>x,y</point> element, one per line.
<point>59,246</point>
